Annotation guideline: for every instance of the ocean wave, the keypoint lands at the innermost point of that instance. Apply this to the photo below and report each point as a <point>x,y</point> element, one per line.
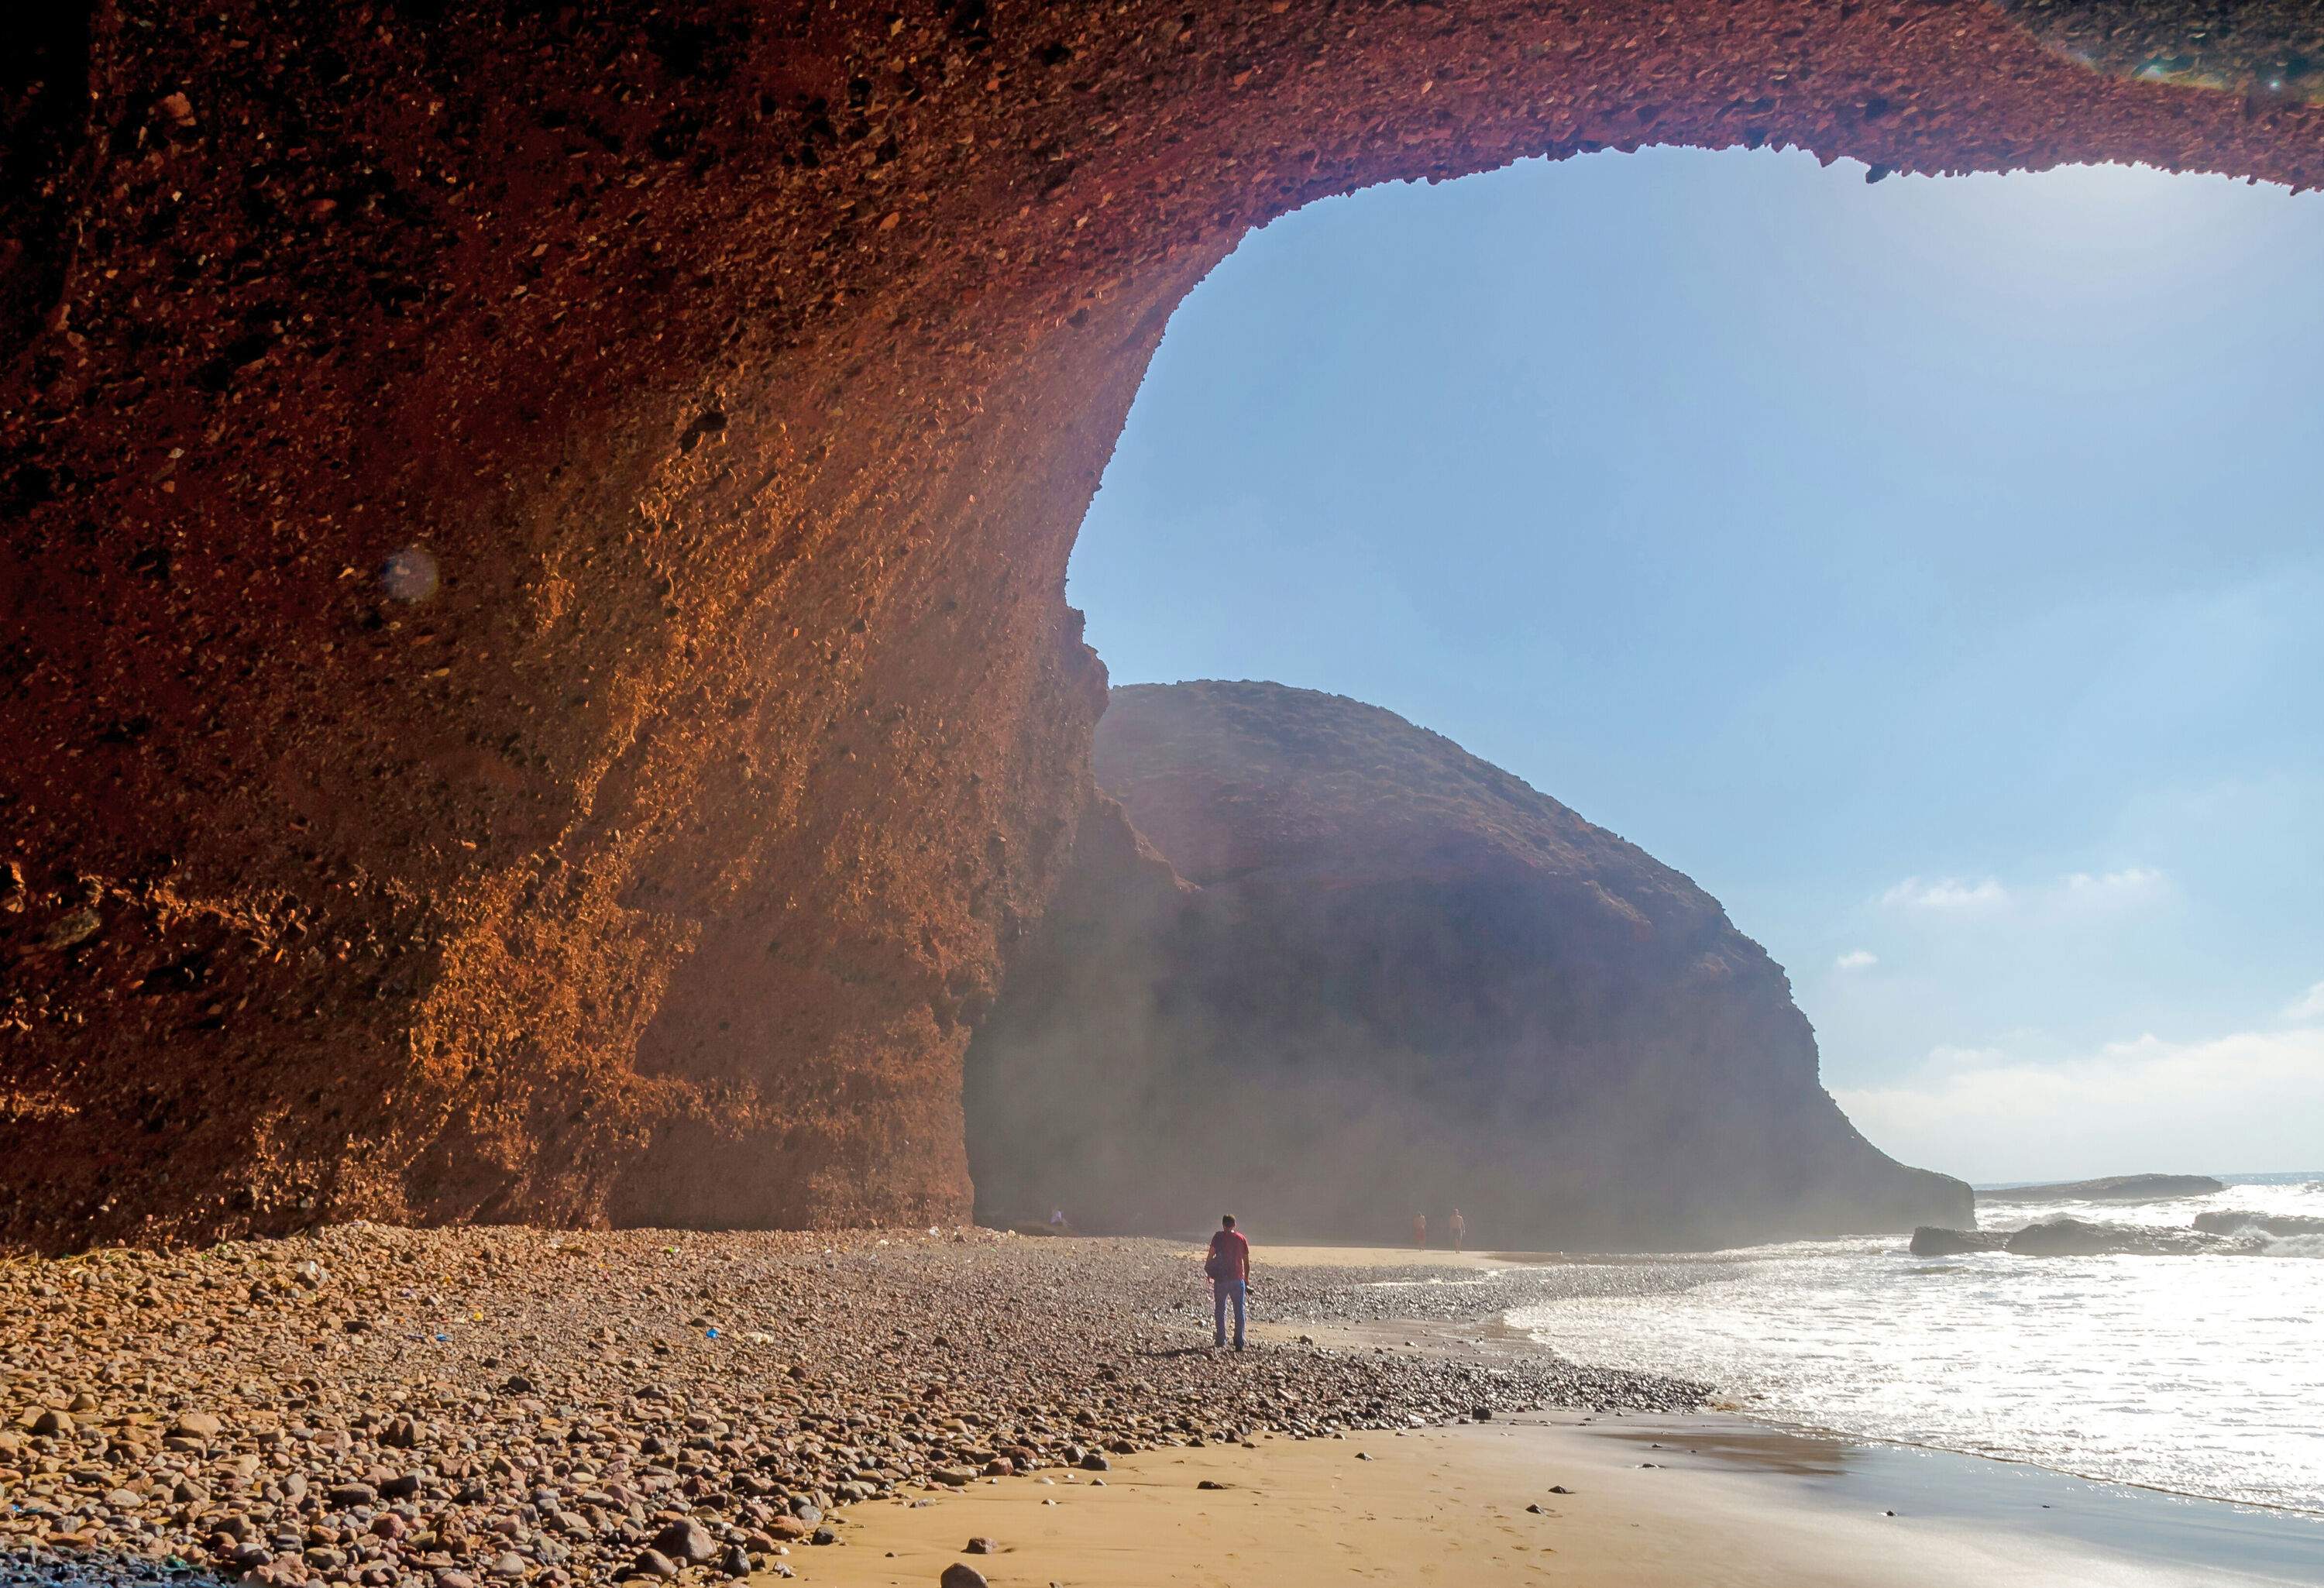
<point>2285,1205</point>
<point>2293,1246</point>
<point>2238,1221</point>
<point>2072,1237</point>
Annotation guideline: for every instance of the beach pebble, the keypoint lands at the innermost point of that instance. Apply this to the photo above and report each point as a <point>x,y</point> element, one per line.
<point>686,1541</point>
<point>960,1574</point>
<point>981,1545</point>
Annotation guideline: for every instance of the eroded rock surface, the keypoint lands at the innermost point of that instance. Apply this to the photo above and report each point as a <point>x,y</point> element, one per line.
<point>1401,980</point>
<point>533,669</point>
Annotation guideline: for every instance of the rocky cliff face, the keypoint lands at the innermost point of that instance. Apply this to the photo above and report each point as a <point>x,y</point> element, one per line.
<point>534,676</point>
<point>1386,977</point>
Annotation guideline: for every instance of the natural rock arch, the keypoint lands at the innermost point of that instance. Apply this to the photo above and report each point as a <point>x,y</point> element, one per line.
<point>735,376</point>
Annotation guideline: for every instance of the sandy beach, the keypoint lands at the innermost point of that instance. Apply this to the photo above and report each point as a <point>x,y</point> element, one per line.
<point>1457,1506</point>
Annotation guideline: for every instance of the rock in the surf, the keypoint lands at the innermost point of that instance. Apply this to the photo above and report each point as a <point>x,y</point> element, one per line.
<point>1929,1240</point>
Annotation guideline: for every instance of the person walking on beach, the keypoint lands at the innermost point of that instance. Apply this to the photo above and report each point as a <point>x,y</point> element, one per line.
<point>1459,1228</point>
<point>1229,1267</point>
<point>1420,1230</point>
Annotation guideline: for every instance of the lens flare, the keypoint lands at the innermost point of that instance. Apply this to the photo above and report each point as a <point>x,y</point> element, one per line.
<point>410,574</point>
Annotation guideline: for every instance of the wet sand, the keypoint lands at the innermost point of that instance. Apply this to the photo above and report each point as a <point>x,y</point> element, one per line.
<point>1745,1506</point>
<point>1380,1257</point>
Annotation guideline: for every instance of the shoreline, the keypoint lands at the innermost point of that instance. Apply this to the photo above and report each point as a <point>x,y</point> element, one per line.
<point>1485,1340</point>
<point>1648,1505</point>
<point>1488,1338</point>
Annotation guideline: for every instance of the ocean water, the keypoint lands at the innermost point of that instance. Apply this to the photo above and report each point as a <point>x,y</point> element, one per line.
<point>2200,1374</point>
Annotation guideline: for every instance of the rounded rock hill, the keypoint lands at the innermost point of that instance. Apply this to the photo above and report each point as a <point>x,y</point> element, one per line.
<point>1351,973</point>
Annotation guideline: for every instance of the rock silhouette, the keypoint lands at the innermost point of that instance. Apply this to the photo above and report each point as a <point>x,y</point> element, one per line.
<point>1359,970</point>
<point>2115,1188</point>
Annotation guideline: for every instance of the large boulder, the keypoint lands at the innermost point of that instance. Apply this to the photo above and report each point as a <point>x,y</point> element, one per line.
<point>1326,968</point>
<point>1929,1240</point>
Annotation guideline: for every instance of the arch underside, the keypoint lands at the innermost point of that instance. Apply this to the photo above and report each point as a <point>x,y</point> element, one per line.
<point>746,373</point>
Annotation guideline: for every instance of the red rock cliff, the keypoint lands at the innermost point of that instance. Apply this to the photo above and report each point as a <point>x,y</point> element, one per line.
<point>532,666</point>
<point>1401,980</point>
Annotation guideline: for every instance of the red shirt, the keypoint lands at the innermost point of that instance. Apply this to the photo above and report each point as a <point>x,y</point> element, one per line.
<point>1230,1244</point>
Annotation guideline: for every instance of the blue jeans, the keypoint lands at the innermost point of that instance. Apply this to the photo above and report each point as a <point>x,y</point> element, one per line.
<point>1221,1290</point>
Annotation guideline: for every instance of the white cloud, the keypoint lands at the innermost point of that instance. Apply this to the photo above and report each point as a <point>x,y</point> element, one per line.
<point>2076,890</point>
<point>2309,1006</point>
<point>1864,959</point>
<point>2250,1099</point>
<point>2131,883</point>
<point>1951,893</point>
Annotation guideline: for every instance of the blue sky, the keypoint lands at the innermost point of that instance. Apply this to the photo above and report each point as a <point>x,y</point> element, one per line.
<point>1930,569</point>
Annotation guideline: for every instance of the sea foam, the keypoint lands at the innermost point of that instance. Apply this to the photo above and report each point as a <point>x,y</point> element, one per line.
<point>2198,1372</point>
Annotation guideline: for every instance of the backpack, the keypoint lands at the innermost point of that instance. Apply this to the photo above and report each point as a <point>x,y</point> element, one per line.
<point>1215,1265</point>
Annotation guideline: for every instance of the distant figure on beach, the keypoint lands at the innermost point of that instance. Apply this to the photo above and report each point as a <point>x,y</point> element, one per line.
<point>1229,1267</point>
<point>1459,1228</point>
<point>1420,1230</point>
<point>1057,1220</point>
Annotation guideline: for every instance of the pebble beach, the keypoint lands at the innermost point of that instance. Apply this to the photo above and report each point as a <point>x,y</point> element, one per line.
<point>456,1408</point>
